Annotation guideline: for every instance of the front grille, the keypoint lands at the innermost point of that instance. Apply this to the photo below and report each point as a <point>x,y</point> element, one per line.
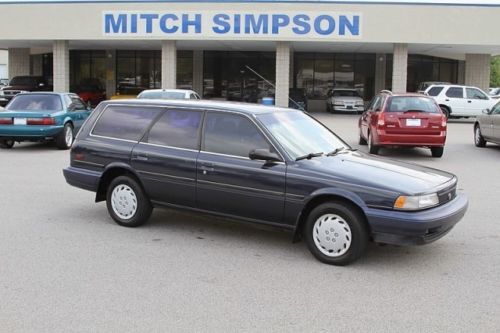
<point>447,194</point>
<point>11,93</point>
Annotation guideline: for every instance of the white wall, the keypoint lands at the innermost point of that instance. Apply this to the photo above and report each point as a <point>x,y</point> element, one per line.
<point>4,64</point>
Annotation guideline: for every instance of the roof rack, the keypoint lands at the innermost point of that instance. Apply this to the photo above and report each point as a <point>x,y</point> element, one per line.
<point>386,92</point>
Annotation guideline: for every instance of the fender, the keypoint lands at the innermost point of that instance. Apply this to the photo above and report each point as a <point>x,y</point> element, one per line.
<point>109,168</point>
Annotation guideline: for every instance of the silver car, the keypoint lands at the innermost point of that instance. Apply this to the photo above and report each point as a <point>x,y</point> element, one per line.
<point>487,127</point>
<point>168,94</point>
<point>344,100</point>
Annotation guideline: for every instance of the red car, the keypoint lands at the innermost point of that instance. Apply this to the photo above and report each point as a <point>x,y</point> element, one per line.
<point>91,91</point>
<point>403,120</point>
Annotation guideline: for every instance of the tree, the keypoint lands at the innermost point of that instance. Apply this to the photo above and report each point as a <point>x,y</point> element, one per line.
<point>495,72</point>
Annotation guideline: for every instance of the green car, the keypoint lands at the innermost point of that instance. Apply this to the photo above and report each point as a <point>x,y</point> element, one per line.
<point>42,116</point>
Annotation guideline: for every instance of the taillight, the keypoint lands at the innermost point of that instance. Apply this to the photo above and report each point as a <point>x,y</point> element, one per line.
<point>41,121</point>
<point>5,121</point>
<point>443,122</point>
<point>381,119</point>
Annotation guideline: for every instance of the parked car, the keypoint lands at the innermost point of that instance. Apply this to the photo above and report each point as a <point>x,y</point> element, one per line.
<point>487,126</point>
<point>460,101</point>
<point>168,94</point>
<point>4,82</point>
<point>297,99</point>
<point>494,93</point>
<point>403,120</point>
<point>91,91</point>
<point>20,84</point>
<point>126,91</point>
<point>268,165</point>
<point>42,116</point>
<point>344,100</point>
<point>422,86</point>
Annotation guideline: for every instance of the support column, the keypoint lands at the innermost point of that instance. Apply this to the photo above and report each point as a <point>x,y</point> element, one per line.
<point>478,70</point>
<point>110,73</point>
<point>400,68</point>
<point>168,64</point>
<point>19,62</point>
<point>282,73</point>
<point>380,70</point>
<point>198,71</point>
<point>61,65</point>
<point>461,72</point>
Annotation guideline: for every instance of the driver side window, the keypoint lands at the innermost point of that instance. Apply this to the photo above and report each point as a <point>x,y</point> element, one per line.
<point>475,94</point>
<point>496,109</point>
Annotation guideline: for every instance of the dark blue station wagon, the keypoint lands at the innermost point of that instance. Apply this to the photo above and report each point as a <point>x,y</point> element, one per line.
<point>267,165</point>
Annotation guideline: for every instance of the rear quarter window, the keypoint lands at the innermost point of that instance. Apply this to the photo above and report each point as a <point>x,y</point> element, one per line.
<point>125,122</point>
<point>434,91</point>
<point>455,92</point>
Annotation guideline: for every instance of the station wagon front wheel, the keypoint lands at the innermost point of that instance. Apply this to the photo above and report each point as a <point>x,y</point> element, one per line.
<point>336,233</point>
<point>127,203</point>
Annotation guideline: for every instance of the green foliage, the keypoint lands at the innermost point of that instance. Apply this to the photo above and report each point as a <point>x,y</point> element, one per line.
<point>495,72</point>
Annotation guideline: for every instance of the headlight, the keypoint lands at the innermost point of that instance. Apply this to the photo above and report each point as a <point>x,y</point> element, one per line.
<point>360,103</point>
<point>416,202</point>
<point>1,93</point>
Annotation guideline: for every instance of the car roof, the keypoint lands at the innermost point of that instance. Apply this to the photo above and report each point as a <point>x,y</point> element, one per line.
<point>248,108</point>
<point>168,90</point>
<point>47,93</point>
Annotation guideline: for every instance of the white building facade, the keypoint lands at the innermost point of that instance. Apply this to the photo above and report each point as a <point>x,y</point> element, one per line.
<point>240,50</point>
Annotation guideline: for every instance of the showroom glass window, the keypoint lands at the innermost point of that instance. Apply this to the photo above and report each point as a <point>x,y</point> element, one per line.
<point>232,134</point>
<point>87,71</point>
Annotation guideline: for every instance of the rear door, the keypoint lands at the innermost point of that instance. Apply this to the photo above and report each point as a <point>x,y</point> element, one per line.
<point>228,181</point>
<point>366,117</point>
<point>454,98</point>
<point>165,159</point>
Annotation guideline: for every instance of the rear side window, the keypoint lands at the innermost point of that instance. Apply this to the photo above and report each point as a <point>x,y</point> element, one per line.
<point>124,122</point>
<point>434,91</point>
<point>455,92</point>
<point>232,134</point>
<point>177,128</point>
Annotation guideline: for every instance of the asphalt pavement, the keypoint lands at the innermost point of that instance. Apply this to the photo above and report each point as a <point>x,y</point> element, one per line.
<point>65,266</point>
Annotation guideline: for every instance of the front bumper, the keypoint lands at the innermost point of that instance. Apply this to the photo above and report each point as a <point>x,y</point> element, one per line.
<point>416,228</point>
<point>343,108</point>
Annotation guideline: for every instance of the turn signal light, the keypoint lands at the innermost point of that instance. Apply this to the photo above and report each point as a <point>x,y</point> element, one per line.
<point>40,121</point>
<point>5,121</point>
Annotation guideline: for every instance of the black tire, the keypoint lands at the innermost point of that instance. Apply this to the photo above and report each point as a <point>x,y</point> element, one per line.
<point>372,149</point>
<point>362,141</point>
<point>130,189</point>
<point>479,140</point>
<point>6,144</point>
<point>62,141</point>
<point>437,151</point>
<point>329,108</point>
<point>446,111</point>
<point>334,213</point>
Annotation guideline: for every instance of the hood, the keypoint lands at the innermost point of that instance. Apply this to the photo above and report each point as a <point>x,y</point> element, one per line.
<point>378,173</point>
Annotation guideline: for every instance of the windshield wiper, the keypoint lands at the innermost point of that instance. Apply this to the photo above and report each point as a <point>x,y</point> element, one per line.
<point>338,150</point>
<point>309,156</point>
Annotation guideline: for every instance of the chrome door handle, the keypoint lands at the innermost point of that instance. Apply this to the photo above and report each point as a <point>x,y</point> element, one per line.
<point>140,158</point>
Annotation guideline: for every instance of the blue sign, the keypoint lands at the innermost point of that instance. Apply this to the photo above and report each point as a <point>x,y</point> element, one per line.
<point>251,25</point>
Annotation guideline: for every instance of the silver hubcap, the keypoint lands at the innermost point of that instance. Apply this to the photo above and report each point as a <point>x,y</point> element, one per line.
<point>68,136</point>
<point>124,201</point>
<point>478,135</point>
<point>332,235</point>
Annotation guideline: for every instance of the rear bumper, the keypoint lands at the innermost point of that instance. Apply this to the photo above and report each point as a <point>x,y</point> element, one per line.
<point>82,178</point>
<point>414,140</point>
<point>29,132</point>
<point>416,228</point>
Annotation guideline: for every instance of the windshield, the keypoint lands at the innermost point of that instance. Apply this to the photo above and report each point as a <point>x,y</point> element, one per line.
<point>300,134</point>
<point>162,95</point>
<point>412,103</point>
<point>345,93</point>
<point>35,102</point>
<point>23,81</point>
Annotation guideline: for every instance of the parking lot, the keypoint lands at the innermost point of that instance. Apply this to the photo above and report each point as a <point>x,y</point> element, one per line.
<point>66,266</point>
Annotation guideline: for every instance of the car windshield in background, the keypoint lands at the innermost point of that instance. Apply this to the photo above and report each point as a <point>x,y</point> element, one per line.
<point>300,134</point>
<point>162,95</point>
<point>419,104</point>
<point>345,93</point>
<point>23,81</point>
<point>35,102</point>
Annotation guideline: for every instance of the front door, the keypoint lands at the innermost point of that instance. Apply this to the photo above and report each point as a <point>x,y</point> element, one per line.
<point>495,121</point>
<point>477,101</point>
<point>228,181</point>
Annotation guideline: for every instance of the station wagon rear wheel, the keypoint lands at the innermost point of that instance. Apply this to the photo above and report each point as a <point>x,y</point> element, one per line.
<point>6,144</point>
<point>65,139</point>
<point>335,233</point>
<point>479,140</point>
<point>127,203</point>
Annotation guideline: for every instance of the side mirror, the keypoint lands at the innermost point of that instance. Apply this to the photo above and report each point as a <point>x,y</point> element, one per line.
<point>486,111</point>
<point>89,106</point>
<point>264,155</point>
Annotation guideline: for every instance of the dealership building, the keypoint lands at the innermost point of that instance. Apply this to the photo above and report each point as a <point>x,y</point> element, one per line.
<point>246,50</point>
